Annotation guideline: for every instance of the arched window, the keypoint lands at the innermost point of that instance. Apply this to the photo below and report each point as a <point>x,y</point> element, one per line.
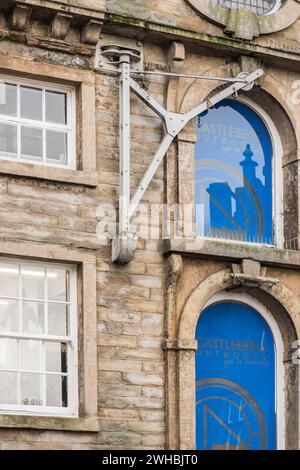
<point>259,7</point>
<point>235,177</point>
<point>239,377</point>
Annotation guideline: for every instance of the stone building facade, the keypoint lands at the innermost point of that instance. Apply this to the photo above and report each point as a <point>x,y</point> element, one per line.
<point>131,341</point>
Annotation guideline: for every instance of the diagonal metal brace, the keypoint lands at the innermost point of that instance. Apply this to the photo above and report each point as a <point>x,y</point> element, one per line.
<point>124,245</point>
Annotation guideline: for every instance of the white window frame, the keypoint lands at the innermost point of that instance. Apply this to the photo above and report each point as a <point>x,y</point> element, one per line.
<point>69,127</point>
<point>277,6</point>
<point>72,341</point>
<point>277,183</point>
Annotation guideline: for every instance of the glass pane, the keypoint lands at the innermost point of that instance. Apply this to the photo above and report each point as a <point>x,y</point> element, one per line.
<point>9,280</point>
<point>33,282</point>
<point>31,355</point>
<point>8,388</point>
<point>8,99</point>
<point>56,357</point>
<point>56,110</point>
<point>259,7</point>
<point>33,317</point>
<point>8,353</point>
<point>235,379</point>
<point>8,139</point>
<point>31,389</point>
<point>57,146</point>
<point>9,315</point>
<point>31,142</point>
<point>234,175</point>
<point>58,284</point>
<point>56,391</point>
<point>31,103</point>
<point>58,319</point>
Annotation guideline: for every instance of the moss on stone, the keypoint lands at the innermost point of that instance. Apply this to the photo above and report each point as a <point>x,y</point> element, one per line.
<point>130,20</point>
<point>181,32</point>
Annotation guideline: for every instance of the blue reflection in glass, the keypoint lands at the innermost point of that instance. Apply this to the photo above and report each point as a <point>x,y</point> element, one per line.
<point>234,175</point>
<point>235,379</point>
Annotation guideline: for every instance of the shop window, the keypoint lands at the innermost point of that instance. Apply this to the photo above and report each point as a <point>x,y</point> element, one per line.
<point>234,175</point>
<point>236,378</point>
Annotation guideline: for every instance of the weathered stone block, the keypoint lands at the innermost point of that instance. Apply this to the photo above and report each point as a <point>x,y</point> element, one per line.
<point>119,365</point>
<point>142,379</point>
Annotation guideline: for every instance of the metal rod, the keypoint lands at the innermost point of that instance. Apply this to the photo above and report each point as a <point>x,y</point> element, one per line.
<point>186,75</point>
<point>173,74</point>
<point>150,172</point>
<point>223,94</point>
<point>179,122</point>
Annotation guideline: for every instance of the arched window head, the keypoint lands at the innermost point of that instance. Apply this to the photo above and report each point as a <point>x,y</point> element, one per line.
<point>259,7</point>
<point>234,175</point>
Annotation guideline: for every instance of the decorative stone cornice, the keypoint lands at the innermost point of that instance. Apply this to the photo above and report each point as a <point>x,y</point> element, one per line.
<point>243,23</point>
<point>19,20</point>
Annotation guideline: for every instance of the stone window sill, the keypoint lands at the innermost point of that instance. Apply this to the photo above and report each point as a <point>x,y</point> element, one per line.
<point>88,424</point>
<point>64,175</point>
<point>231,251</point>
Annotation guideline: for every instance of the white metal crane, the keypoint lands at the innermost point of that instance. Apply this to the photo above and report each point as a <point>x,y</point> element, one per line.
<point>124,245</point>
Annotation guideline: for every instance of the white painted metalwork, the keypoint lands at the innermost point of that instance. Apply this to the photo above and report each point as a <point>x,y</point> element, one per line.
<point>124,143</point>
<point>125,245</point>
<point>188,75</point>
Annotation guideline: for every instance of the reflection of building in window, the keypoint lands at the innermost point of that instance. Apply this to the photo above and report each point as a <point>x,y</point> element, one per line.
<point>259,7</point>
<point>234,193</point>
<point>251,204</point>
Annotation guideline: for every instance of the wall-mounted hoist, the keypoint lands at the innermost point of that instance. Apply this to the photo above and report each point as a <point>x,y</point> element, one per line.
<point>125,244</point>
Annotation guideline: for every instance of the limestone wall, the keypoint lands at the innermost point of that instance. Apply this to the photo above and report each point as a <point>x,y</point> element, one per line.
<point>131,303</point>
